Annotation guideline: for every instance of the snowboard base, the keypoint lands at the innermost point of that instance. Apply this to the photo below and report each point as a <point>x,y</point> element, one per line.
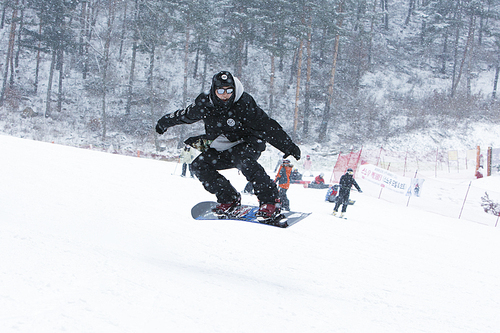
<point>247,213</point>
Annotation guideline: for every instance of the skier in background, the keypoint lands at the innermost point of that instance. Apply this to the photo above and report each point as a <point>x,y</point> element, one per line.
<point>283,181</point>
<point>187,156</point>
<point>346,182</point>
<point>236,132</point>
<point>307,166</point>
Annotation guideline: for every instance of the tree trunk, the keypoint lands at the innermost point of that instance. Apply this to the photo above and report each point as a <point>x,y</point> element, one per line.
<point>10,52</point>
<point>131,79</point>
<point>21,24</point>
<point>37,69</point>
<point>271,78</point>
<point>326,114</point>
<point>83,24</point>
<point>186,64</point>
<point>132,64</point>
<point>196,60</point>
<point>152,100</point>
<point>495,82</point>
<point>456,17</point>
<point>470,38</point>
<point>411,8</point>
<point>124,26</point>
<point>443,54</point>
<point>385,11</point>
<point>91,18</point>
<point>49,84</point>
<point>4,10</point>
<point>205,70</point>
<point>240,50</point>
<point>85,37</point>
<point>297,90</point>
<point>107,43</point>
<point>307,106</point>
<point>372,28</point>
<point>60,63</point>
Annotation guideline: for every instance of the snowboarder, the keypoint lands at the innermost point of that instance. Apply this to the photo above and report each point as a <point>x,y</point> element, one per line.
<point>236,132</point>
<point>346,182</point>
<point>283,180</point>
<point>332,193</point>
<point>319,182</point>
<point>187,156</point>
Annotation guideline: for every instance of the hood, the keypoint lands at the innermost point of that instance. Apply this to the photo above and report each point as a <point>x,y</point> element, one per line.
<point>225,79</point>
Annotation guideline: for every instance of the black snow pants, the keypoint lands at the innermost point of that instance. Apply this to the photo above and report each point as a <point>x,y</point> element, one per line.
<point>342,199</point>
<point>244,158</point>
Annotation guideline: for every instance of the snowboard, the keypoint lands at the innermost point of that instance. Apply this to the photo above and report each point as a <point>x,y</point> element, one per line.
<point>247,213</point>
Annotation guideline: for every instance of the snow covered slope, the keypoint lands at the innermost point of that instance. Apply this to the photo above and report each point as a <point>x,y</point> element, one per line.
<point>95,242</point>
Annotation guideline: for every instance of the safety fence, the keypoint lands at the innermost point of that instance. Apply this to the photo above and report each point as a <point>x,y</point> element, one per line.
<point>465,200</point>
<point>447,181</point>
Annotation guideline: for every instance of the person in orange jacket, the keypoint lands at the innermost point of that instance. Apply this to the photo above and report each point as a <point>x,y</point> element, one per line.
<point>283,181</point>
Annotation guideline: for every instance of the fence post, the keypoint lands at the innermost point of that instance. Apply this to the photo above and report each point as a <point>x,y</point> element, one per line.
<point>465,199</point>
<point>380,153</point>
<point>408,202</point>
<point>382,187</point>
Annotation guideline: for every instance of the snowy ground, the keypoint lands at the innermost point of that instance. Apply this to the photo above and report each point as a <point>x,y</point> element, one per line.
<point>96,242</point>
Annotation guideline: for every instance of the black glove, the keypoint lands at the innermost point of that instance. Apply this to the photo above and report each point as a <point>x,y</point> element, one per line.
<point>199,142</point>
<point>160,129</point>
<point>360,191</point>
<point>294,151</point>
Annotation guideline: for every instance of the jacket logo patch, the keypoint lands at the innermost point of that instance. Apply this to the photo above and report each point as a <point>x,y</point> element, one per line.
<point>231,122</point>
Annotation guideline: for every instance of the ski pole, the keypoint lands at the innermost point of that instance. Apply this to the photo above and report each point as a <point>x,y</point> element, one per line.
<point>175,169</point>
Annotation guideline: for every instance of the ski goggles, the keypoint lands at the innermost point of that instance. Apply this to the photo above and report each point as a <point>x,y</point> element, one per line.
<point>220,91</point>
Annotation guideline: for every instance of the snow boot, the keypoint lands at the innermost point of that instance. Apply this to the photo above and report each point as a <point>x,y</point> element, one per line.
<point>268,211</point>
<point>223,209</point>
<point>334,213</point>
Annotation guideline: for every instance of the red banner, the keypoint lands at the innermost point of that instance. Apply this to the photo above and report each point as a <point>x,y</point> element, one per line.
<point>345,162</point>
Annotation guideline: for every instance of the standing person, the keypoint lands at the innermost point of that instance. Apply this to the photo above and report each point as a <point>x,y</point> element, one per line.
<point>283,181</point>
<point>308,165</point>
<point>187,156</point>
<point>236,131</point>
<point>346,182</point>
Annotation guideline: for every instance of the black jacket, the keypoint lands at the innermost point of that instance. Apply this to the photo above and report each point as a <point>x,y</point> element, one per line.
<point>243,120</point>
<point>347,181</point>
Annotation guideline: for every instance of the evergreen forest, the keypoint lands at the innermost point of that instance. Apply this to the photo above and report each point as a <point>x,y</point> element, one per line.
<point>338,73</point>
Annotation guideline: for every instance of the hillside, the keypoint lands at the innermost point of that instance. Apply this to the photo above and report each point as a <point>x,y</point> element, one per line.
<point>97,242</point>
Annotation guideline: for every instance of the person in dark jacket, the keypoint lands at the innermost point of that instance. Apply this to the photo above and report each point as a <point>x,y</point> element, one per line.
<point>283,180</point>
<point>346,182</point>
<point>236,132</point>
